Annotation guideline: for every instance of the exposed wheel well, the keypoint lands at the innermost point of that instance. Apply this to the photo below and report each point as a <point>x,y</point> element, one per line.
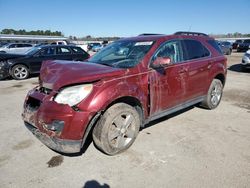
<point>221,77</point>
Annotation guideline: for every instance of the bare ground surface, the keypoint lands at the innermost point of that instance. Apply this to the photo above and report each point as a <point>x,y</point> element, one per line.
<point>193,148</point>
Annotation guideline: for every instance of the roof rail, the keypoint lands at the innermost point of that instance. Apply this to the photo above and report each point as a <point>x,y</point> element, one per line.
<point>146,34</point>
<point>190,33</point>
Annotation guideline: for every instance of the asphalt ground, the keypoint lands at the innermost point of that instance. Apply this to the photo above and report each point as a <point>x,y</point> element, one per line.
<point>191,148</point>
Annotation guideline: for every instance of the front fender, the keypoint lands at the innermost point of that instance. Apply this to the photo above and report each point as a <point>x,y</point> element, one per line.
<point>105,93</point>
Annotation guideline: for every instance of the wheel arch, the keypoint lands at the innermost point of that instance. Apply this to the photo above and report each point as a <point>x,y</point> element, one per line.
<point>221,77</point>
<point>132,101</point>
<point>24,64</point>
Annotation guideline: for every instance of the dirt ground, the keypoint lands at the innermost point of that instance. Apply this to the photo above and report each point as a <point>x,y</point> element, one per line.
<point>193,148</point>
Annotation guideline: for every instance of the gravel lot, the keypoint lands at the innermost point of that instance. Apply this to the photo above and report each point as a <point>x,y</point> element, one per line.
<point>194,148</point>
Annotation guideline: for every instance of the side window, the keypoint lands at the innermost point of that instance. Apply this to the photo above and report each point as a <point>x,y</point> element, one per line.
<point>215,45</point>
<point>12,46</point>
<point>63,50</point>
<point>194,50</point>
<point>27,45</point>
<point>171,49</point>
<point>47,51</point>
<point>77,50</point>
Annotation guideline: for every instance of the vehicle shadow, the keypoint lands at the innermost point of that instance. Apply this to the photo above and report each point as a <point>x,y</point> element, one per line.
<point>95,184</point>
<point>152,123</point>
<point>237,68</point>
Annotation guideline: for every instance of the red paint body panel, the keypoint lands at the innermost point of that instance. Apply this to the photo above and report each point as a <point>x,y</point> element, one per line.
<point>155,89</point>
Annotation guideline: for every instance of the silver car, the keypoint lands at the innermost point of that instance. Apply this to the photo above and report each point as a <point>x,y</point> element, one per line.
<point>245,63</point>
<point>15,48</point>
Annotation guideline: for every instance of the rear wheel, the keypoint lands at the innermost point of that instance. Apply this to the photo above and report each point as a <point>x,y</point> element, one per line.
<point>117,129</point>
<point>213,97</point>
<point>20,72</point>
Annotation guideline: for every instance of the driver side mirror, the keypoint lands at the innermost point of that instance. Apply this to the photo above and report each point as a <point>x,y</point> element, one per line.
<point>161,62</point>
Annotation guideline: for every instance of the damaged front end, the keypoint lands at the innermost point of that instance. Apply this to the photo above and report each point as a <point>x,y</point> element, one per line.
<point>58,126</point>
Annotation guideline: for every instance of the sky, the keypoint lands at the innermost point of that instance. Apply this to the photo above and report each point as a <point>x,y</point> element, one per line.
<point>102,18</point>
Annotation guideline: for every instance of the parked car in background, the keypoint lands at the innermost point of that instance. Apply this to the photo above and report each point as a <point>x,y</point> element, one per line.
<point>97,48</point>
<point>3,43</point>
<point>4,67</point>
<point>245,63</point>
<point>243,47</point>
<point>121,88</point>
<point>16,48</point>
<point>236,43</point>
<point>226,47</point>
<point>91,45</point>
<point>21,67</point>
<point>59,43</point>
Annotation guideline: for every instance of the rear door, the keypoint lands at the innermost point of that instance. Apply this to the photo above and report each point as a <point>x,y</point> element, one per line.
<point>197,57</point>
<point>168,84</point>
<point>63,53</point>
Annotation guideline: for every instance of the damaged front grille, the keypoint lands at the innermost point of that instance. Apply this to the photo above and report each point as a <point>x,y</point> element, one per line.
<point>33,103</point>
<point>45,90</point>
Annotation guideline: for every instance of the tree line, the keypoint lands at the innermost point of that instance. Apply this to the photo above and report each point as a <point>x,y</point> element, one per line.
<point>37,32</point>
<point>231,35</point>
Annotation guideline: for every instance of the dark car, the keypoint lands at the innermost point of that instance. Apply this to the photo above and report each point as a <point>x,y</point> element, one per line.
<point>123,87</point>
<point>226,47</point>
<point>236,43</point>
<point>243,47</point>
<point>22,66</point>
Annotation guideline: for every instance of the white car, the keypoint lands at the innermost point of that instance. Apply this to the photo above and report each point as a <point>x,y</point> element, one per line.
<point>245,63</point>
<point>16,48</point>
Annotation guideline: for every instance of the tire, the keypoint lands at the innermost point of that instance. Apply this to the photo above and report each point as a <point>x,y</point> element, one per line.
<point>214,95</point>
<point>117,129</point>
<point>20,72</point>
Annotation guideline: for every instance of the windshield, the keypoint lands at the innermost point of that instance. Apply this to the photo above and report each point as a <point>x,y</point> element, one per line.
<point>32,51</point>
<point>122,54</point>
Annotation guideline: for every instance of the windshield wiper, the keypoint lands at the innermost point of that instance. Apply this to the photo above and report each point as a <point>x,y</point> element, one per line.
<point>106,64</point>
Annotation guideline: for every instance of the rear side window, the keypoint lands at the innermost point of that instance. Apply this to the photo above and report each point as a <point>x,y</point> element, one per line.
<point>63,50</point>
<point>27,45</point>
<point>77,50</point>
<point>215,45</point>
<point>193,49</point>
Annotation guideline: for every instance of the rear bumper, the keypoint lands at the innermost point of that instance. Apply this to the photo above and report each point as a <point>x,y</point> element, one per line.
<point>61,145</point>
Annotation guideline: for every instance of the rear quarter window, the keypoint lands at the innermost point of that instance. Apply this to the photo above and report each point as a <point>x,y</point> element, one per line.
<point>77,50</point>
<point>194,49</point>
<point>215,45</point>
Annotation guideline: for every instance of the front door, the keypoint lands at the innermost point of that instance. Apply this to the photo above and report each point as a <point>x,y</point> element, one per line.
<point>168,84</point>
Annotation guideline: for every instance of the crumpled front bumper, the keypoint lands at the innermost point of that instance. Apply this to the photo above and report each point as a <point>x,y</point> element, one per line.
<point>57,126</point>
<point>61,145</point>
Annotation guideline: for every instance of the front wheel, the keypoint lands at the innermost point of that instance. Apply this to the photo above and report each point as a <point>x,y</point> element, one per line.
<point>213,97</point>
<point>117,129</point>
<point>20,72</point>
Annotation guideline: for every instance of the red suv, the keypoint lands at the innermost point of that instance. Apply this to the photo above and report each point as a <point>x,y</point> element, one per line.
<point>121,88</point>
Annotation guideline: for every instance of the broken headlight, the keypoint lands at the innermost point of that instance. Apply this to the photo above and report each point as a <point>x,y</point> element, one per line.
<point>74,94</point>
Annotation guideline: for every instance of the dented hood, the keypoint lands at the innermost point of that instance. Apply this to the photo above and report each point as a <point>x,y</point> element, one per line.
<point>56,74</point>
